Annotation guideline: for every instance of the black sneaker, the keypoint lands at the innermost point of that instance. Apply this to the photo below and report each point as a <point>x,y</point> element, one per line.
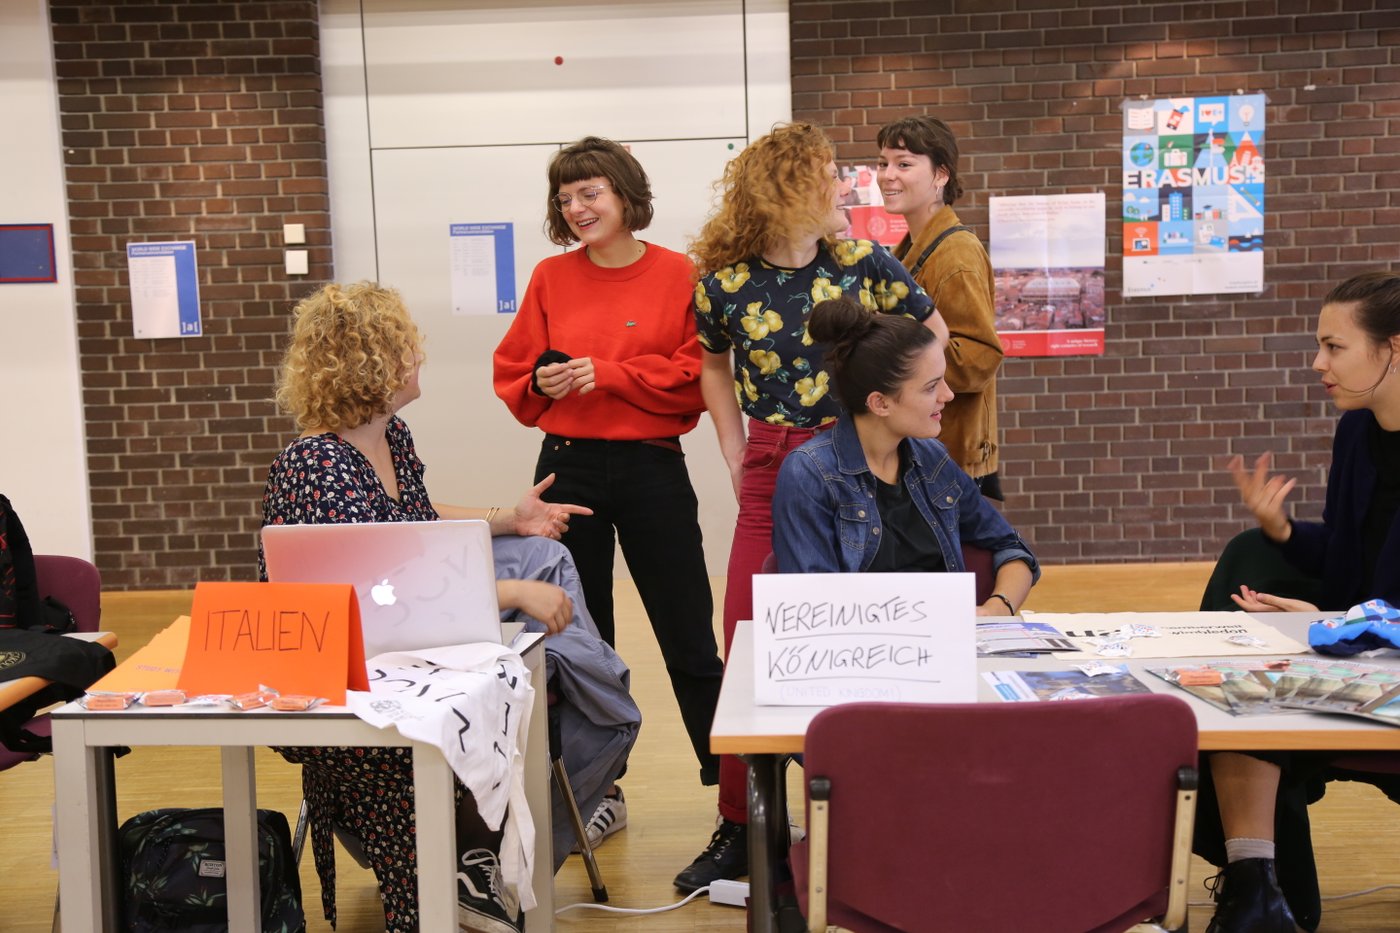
<point>484,902</point>
<point>727,856</point>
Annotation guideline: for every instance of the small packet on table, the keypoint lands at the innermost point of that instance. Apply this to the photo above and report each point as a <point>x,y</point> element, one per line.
<point>254,699</point>
<point>1189,677</point>
<point>295,703</point>
<point>163,698</point>
<point>104,701</point>
<point>1099,668</point>
<point>1115,647</point>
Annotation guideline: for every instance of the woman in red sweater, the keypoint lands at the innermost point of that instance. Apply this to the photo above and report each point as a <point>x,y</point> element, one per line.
<point>603,357</point>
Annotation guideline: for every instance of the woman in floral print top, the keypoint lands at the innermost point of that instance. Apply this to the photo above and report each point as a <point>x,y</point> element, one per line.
<point>352,364</point>
<point>767,256</point>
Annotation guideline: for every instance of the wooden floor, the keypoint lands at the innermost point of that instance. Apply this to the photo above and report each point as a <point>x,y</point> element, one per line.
<point>1357,832</point>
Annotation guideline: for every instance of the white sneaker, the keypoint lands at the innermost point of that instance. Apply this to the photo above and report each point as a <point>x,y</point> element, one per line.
<point>610,816</point>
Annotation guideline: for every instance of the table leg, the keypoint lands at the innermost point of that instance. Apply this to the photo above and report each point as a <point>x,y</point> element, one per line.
<point>87,870</point>
<point>437,838</point>
<point>241,839</point>
<point>537,797</point>
<point>767,820</point>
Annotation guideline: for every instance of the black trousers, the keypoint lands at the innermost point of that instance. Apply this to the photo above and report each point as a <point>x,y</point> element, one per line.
<point>641,491</point>
<point>1251,560</point>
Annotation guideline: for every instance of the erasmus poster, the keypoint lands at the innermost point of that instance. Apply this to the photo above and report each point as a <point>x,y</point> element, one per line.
<point>1193,196</point>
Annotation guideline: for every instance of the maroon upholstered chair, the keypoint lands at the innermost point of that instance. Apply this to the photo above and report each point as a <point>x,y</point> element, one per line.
<point>77,584</point>
<point>1054,817</point>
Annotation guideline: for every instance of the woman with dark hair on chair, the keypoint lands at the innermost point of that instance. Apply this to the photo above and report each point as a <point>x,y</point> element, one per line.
<point>879,493</point>
<point>1357,548</point>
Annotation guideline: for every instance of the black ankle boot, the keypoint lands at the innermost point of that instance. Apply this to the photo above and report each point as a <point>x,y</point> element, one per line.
<point>1248,900</point>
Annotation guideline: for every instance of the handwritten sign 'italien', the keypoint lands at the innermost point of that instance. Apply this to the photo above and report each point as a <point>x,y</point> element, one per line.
<point>826,638</point>
<point>293,637</point>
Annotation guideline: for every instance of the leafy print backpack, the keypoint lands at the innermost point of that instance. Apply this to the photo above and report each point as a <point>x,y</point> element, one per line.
<point>173,872</point>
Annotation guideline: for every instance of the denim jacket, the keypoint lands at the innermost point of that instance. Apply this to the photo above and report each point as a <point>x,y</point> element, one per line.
<point>825,519</point>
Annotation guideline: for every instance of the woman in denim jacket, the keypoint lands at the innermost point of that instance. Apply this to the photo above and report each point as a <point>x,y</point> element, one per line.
<point>878,493</point>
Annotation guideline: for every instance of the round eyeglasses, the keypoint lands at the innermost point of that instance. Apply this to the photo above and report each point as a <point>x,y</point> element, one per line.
<point>586,196</point>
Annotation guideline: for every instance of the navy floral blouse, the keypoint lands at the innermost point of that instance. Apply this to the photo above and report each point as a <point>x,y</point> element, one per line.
<point>759,313</point>
<point>325,479</point>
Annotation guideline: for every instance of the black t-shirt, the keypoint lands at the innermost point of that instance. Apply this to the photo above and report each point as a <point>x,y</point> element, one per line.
<point>907,543</point>
<point>1385,498</point>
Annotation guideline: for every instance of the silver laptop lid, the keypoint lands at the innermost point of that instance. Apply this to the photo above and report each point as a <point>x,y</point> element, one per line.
<point>420,584</point>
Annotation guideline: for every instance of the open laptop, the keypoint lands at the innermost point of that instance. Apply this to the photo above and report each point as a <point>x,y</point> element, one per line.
<point>420,584</point>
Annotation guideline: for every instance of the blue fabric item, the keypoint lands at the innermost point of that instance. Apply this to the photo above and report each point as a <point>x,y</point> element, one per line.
<point>825,519</point>
<point>1335,543</point>
<point>1367,626</point>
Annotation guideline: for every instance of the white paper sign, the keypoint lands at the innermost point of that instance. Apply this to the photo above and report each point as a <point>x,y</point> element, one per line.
<point>826,638</point>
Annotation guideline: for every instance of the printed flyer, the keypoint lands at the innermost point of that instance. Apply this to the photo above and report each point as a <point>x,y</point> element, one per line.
<point>1047,255</point>
<point>864,208</point>
<point>1193,196</point>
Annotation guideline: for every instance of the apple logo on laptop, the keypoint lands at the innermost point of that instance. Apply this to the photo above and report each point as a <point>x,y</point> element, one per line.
<point>383,594</point>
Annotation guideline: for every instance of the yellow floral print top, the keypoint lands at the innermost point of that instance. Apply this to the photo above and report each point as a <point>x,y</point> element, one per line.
<point>759,313</point>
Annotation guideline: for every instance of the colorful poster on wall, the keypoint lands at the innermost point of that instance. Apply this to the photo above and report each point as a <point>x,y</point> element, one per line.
<point>864,207</point>
<point>1047,256</point>
<point>1193,196</point>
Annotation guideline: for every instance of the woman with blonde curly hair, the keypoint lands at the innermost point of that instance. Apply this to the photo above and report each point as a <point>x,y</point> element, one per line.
<point>352,364</point>
<point>770,252</point>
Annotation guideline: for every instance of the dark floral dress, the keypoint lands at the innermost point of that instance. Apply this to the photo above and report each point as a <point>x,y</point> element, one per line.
<point>368,791</point>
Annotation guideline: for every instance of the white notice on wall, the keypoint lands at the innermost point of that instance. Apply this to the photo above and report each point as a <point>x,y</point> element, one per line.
<point>827,638</point>
<point>164,284</point>
<point>483,268</point>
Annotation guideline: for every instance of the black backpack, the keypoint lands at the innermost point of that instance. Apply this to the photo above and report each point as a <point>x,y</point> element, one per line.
<point>173,872</point>
<point>20,605</point>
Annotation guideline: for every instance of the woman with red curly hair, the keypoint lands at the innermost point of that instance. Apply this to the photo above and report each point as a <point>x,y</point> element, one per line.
<point>768,254</point>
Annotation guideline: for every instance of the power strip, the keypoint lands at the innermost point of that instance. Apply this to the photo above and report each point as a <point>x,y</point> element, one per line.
<point>729,893</point>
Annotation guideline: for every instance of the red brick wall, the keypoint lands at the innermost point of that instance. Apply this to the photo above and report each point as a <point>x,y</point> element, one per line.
<point>1117,457</point>
<point>203,122</point>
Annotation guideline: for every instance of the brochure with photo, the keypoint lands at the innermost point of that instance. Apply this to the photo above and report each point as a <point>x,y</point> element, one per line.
<point>1306,684</point>
<point>1033,686</point>
<point>1019,639</point>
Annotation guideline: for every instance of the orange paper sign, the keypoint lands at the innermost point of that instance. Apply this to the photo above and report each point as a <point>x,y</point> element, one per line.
<point>153,666</point>
<point>293,637</point>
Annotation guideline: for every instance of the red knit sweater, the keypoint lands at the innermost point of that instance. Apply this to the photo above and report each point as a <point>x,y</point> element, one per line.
<point>637,325</point>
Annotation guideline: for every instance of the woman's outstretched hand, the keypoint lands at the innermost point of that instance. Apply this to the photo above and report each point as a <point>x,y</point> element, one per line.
<point>534,516</point>
<point>1264,494</point>
<point>1255,601</point>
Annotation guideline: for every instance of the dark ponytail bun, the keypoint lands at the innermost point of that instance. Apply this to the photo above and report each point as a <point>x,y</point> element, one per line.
<point>865,351</point>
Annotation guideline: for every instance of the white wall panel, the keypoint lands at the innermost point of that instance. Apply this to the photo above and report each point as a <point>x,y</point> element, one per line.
<point>475,451</point>
<point>44,469</point>
<point>476,72</point>
<point>447,111</point>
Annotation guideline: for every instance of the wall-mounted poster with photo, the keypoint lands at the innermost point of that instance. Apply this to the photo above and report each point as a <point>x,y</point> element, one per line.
<point>1047,255</point>
<point>1193,196</point>
<point>864,208</point>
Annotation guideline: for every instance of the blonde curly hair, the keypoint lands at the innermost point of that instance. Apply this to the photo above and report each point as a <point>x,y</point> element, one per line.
<point>353,348</point>
<point>776,188</point>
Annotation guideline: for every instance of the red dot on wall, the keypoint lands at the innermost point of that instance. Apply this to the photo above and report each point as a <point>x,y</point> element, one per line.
<point>558,59</point>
